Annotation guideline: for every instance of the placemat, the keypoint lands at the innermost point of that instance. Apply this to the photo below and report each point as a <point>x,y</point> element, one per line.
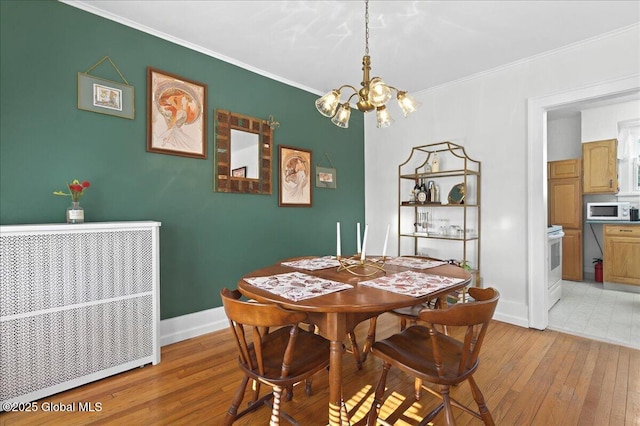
<point>297,285</point>
<point>414,262</point>
<point>412,283</point>
<point>314,264</point>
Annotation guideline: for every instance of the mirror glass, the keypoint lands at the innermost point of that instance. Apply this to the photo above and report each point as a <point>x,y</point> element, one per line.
<point>243,152</point>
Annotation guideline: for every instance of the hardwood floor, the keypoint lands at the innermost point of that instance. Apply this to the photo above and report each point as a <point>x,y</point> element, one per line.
<point>528,377</point>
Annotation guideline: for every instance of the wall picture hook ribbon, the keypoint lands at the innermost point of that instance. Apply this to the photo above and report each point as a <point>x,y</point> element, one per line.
<point>271,122</point>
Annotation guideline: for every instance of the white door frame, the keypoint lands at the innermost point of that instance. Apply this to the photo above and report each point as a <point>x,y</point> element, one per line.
<point>537,182</point>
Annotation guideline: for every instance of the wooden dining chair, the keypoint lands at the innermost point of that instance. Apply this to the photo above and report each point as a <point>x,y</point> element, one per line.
<point>406,315</point>
<point>273,351</point>
<point>432,356</point>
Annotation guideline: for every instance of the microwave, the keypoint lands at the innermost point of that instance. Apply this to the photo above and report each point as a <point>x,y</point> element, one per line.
<point>614,210</point>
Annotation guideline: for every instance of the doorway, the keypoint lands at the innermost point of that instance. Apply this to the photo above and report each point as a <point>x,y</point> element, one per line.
<point>585,307</point>
<point>537,181</point>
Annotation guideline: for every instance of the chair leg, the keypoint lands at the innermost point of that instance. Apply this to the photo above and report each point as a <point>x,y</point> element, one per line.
<point>477,395</point>
<point>403,323</point>
<point>289,393</point>
<point>448,411</point>
<point>378,397</point>
<point>355,350</point>
<point>371,337</point>
<point>255,386</point>
<point>275,412</point>
<point>307,389</point>
<point>235,402</point>
<point>417,385</point>
<point>426,421</point>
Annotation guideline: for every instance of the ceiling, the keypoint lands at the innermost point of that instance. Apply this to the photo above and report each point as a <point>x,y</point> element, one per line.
<point>414,45</point>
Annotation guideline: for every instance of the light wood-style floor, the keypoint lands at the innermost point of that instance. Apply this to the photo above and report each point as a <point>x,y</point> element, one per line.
<point>528,377</point>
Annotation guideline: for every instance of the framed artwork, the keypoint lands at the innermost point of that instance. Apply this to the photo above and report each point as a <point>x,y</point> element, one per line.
<point>105,97</point>
<point>294,168</point>
<point>239,172</point>
<point>325,177</point>
<point>176,115</point>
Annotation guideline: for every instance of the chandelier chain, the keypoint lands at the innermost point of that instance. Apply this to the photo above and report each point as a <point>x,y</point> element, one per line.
<point>366,27</point>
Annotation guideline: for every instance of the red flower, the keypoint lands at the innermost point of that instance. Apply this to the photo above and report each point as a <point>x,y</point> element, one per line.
<point>76,189</point>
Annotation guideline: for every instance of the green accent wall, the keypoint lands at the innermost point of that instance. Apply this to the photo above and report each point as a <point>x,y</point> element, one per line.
<point>208,240</point>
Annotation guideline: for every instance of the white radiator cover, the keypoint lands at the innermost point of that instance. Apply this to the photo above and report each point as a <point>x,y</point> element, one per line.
<point>77,303</point>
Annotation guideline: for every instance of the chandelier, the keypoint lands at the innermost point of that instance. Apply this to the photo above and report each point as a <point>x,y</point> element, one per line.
<point>374,94</point>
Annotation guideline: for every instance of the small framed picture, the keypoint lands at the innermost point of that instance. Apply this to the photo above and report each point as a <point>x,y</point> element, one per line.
<point>105,97</point>
<point>295,177</point>
<point>239,172</point>
<point>176,115</point>
<point>325,177</point>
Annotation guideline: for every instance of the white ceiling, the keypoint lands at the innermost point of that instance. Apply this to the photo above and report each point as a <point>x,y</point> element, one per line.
<point>414,45</point>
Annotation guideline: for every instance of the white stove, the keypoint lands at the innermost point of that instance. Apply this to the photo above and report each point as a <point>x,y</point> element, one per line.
<point>554,264</point>
<point>554,229</point>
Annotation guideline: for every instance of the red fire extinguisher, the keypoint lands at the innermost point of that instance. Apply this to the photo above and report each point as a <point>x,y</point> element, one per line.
<point>598,270</point>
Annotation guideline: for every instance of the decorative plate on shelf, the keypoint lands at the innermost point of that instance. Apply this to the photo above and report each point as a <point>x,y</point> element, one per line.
<point>457,193</point>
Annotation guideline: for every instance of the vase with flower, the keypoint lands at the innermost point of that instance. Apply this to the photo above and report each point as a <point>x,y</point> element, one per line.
<point>75,212</point>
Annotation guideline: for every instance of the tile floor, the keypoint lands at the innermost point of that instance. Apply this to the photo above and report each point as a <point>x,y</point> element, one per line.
<point>586,309</point>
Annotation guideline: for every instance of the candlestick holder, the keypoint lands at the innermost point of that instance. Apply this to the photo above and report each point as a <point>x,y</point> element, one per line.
<point>357,266</point>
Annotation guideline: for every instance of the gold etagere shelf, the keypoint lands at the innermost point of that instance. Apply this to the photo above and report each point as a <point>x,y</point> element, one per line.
<point>440,164</point>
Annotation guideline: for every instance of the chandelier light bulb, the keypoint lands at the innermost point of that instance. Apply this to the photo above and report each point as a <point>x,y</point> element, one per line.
<point>341,119</point>
<point>384,118</point>
<point>328,104</point>
<point>379,93</point>
<point>407,103</point>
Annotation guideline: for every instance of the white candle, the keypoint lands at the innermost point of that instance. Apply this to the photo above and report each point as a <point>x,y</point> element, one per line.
<point>364,242</point>
<point>386,239</point>
<point>338,239</point>
<point>358,236</point>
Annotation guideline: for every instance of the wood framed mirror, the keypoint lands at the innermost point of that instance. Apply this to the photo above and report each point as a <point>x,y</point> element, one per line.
<point>243,160</point>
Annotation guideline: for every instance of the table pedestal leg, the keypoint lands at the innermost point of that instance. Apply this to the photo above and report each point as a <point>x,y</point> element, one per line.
<point>337,411</point>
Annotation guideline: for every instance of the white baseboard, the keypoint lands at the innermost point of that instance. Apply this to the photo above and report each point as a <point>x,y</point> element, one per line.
<point>512,313</point>
<point>185,327</point>
<point>511,319</point>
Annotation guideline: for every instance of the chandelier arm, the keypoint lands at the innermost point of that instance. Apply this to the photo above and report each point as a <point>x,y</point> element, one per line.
<point>350,97</point>
<point>347,85</point>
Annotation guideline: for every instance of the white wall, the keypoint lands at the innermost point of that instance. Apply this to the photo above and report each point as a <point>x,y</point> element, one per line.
<point>602,122</point>
<point>488,115</point>
<point>563,138</point>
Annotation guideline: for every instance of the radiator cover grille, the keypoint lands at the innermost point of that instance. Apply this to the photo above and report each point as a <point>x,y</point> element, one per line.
<point>53,270</point>
<point>75,304</point>
<point>49,349</point>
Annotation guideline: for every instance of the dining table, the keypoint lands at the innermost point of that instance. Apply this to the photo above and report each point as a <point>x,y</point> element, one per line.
<point>340,295</point>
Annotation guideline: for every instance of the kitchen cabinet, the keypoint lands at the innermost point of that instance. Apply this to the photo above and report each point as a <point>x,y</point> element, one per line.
<point>622,254</point>
<point>600,174</point>
<point>565,168</point>
<point>565,203</point>
<point>446,226</point>
<point>565,209</point>
<point>572,267</point>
